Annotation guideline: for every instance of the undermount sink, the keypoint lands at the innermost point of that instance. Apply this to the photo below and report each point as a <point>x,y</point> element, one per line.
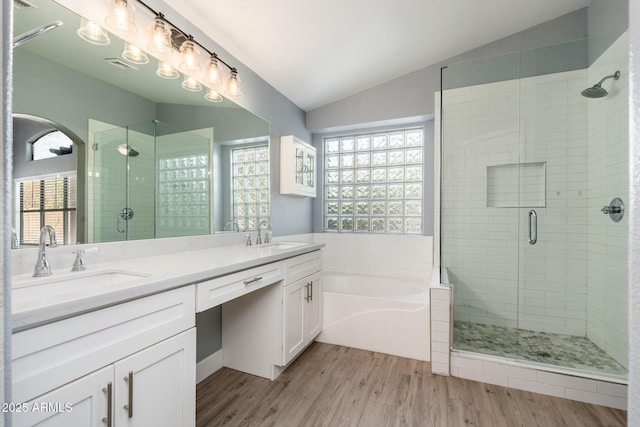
<point>70,285</point>
<point>282,245</point>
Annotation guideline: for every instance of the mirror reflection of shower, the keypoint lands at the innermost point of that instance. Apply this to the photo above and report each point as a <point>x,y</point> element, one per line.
<point>597,91</point>
<point>127,150</point>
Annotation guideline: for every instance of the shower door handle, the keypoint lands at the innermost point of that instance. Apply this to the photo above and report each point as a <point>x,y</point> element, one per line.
<point>533,227</point>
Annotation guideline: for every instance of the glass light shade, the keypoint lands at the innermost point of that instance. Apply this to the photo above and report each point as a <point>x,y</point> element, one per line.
<point>166,71</point>
<point>234,89</point>
<point>213,73</point>
<point>191,84</point>
<point>93,33</point>
<point>134,54</point>
<point>160,35</point>
<point>122,17</point>
<point>213,96</point>
<point>190,63</point>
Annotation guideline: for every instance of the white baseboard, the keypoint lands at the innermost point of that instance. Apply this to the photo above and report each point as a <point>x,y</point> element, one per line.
<point>208,366</point>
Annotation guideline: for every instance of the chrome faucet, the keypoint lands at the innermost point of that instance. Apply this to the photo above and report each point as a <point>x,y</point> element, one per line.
<point>267,237</point>
<point>42,268</point>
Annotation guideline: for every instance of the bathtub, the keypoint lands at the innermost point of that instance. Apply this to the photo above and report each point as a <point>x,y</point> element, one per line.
<point>383,314</point>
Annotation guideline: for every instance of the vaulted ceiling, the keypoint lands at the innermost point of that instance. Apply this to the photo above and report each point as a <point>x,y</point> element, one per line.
<point>317,52</point>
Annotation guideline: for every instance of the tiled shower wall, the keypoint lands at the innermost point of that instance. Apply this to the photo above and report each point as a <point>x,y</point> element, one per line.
<point>485,248</point>
<point>608,178</point>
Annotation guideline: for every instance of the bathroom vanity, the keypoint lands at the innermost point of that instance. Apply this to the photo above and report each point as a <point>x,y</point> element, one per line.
<point>116,346</point>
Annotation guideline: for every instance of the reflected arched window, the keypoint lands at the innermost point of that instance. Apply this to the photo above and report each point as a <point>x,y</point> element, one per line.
<point>52,144</point>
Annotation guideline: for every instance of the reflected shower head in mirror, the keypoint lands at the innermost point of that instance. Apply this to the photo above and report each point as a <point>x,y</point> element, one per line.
<point>23,38</point>
<point>597,91</point>
<point>127,150</point>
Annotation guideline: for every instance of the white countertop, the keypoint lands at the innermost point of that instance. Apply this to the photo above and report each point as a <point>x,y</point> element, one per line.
<point>34,304</point>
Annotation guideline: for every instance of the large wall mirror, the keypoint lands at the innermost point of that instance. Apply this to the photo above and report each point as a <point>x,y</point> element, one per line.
<point>128,155</point>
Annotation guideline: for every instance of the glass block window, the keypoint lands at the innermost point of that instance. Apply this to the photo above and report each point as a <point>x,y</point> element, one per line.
<point>183,204</point>
<point>373,182</point>
<point>49,201</point>
<point>250,174</point>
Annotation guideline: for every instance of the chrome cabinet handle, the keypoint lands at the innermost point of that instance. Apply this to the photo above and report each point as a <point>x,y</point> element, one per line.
<point>309,296</point>
<point>254,280</point>
<point>533,227</point>
<point>129,406</point>
<point>306,288</point>
<point>109,418</point>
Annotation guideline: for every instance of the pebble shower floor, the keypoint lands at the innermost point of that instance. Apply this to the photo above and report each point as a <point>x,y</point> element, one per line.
<point>541,347</point>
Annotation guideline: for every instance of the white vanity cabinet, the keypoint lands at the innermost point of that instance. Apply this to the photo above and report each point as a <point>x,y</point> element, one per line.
<point>297,167</point>
<point>83,402</point>
<point>302,304</point>
<point>263,331</point>
<point>132,364</point>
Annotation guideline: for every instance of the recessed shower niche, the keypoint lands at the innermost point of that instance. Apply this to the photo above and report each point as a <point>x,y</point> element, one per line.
<point>516,185</point>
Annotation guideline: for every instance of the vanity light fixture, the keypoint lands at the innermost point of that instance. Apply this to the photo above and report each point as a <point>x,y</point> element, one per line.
<point>160,44</point>
<point>213,73</point>
<point>164,39</point>
<point>122,17</point>
<point>233,86</point>
<point>213,96</point>
<point>134,54</point>
<point>191,84</point>
<point>190,63</point>
<point>166,71</point>
<point>93,33</point>
<point>190,59</point>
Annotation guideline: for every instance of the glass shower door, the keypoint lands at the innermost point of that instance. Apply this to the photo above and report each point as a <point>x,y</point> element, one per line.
<point>108,185</point>
<point>480,201</point>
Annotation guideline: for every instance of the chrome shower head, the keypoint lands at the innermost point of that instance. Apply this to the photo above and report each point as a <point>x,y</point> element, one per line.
<point>23,38</point>
<point>597,91</point>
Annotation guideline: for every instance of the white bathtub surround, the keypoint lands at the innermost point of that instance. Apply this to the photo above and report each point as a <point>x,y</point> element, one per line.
<point>515,374</point>
<point>382,314</point>
<point>395,255</point>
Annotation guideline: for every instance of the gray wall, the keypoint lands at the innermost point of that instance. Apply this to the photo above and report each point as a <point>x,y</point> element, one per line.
<point>607,20</point>
<point>47,96</point>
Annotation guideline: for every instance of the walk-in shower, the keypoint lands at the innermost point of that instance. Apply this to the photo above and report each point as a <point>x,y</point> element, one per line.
<point>537,265</point>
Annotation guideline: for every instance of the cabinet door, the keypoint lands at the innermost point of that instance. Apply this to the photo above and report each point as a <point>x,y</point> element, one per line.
<point>81,403</point>
<point>294,301</point>
<point>313,308</point>
<point>157,386</point>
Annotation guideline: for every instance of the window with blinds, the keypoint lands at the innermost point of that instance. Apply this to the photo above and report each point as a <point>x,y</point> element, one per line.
<point>49,201</point>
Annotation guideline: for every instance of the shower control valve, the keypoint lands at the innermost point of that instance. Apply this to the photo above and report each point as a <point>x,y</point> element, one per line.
<point>615,210</point>
<point>610,209</point>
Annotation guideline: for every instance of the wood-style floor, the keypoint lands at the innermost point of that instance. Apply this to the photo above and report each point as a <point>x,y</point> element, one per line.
<point>334,386</point>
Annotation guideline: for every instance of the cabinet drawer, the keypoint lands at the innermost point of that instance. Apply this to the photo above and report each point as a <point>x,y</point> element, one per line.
<point>50,355</point>
<point>217,291</point>
<point>301,266</point>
